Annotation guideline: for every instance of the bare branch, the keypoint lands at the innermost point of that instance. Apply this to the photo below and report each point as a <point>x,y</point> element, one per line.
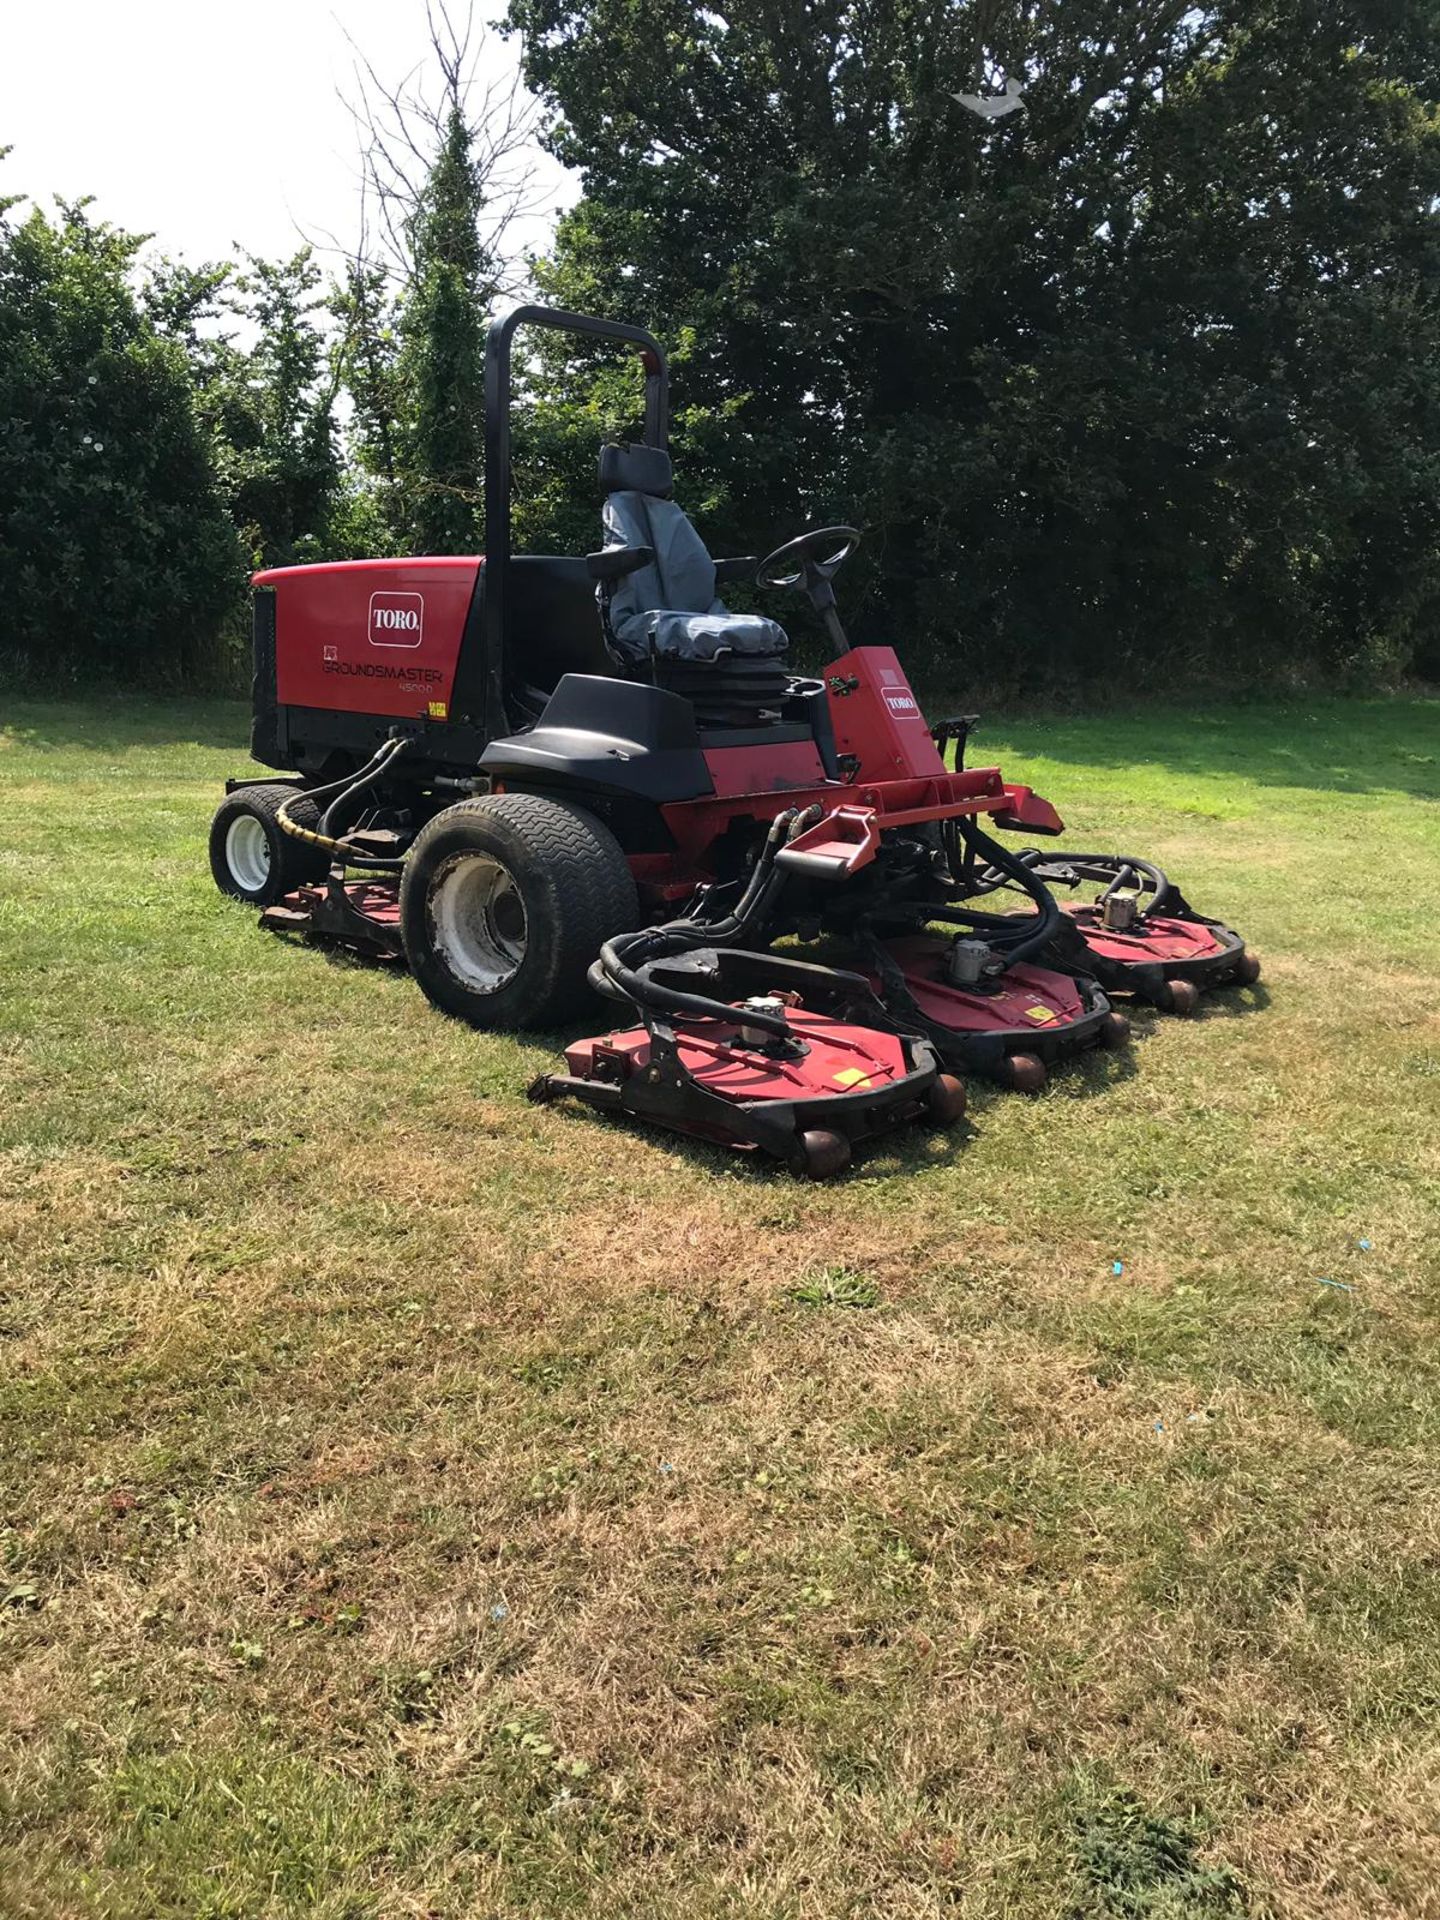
<point>399,130</point>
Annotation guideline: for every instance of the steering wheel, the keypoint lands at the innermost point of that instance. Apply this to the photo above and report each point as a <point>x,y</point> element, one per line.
<point>812,561</point>
<point>810,557</point>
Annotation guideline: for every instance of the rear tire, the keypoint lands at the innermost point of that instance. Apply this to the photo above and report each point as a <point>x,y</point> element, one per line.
<point>504,903</point>
<point>252,858</point>
<point>1248,971</point>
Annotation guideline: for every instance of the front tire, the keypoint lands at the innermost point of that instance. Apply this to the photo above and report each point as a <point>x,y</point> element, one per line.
<point>946,1100</point>
<point>504,903</point>
<point>252,858</point>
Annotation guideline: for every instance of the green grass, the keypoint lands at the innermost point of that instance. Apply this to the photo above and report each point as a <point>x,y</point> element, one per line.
<point>416,1502</point>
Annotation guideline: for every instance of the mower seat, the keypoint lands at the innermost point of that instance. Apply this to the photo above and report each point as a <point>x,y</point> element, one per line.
<point>669,607</point>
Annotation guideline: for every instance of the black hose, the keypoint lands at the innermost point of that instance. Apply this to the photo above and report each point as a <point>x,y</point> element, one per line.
<point>648,994</point>
<point>1111,871</point>
<point>345,789</point>
<point>330,823</point>
<point>1116,869</point>
<point>1013,943</point>
<point>381,756</point>
<point>621,972</point>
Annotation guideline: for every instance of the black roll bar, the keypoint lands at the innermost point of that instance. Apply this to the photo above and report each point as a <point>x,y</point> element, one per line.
<point>497,461</point>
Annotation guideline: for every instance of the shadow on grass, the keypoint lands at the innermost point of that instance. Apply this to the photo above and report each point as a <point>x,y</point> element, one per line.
<point>1233,1003</point>
<point>1225,1003</point>
<point>348,959</point>
<point>1325,745</point>
<point>909,1149</point>
<point>122,722</point>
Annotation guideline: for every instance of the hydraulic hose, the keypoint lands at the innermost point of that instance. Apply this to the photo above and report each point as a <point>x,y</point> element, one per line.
<point>650,996</point>
<point>1112,871</point>
<point>377,763</point>
<point>338,793</point>
<point>622,973</point>
<point>1117,870</point>
<point>1013,943</point>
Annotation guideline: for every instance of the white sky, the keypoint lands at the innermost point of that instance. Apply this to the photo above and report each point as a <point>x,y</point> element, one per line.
<point>208,125</point>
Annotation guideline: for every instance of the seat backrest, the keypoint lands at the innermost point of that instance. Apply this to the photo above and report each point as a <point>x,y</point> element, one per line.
<point>639,512</point>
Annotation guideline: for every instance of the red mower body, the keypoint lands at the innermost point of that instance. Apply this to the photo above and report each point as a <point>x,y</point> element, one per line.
<point>1010,1028</point>
<point>1141,936</point>
<point>882,735</point>
<point>535,777</point>
<point>841,1075</point>
<point>1157,941</point>
<point>877,719</point>
<point>371,636</point>
<point>1163,959</point>
<point>897,779</point>
<point>839,1058</point>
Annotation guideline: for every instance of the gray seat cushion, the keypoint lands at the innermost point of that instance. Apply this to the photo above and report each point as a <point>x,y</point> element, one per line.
<point>671,606</point>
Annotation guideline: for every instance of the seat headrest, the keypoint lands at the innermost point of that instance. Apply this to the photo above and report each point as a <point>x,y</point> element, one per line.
<point>636,470</point>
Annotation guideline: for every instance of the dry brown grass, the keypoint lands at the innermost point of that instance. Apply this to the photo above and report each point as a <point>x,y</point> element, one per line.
<point>422,1504</point>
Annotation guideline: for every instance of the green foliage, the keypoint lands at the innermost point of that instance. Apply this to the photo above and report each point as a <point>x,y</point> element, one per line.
<point>115,549</point>
<point>152,459</point>
<point>275,437</point>
<point>173,426</point>
<point>836,1287</point>
<point>369,361</point>
<point>1140,1867</point>
<point>412,360</point>
<point>268,408</point>
<point>1139,383</point>
<point>1140,380</point>
<point>441,360</point>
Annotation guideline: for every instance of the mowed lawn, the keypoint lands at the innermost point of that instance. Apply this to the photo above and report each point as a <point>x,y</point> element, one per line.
<point>420,1503</point>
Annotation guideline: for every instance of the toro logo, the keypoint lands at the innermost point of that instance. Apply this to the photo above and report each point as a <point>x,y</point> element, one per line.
<point>396,619</point>
<point>900,702</point>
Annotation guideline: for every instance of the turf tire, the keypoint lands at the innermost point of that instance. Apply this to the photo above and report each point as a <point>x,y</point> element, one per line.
<point>291,862</point>
<point>574,884</point>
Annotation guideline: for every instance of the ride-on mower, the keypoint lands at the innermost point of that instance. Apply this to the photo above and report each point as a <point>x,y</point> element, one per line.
<point>534,777</point>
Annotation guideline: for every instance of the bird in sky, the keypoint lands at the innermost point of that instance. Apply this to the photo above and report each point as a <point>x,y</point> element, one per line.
<point>994,106</point>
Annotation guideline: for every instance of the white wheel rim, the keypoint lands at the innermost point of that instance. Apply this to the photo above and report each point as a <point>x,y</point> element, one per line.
<point>478,920</point>
<point>247,852</point>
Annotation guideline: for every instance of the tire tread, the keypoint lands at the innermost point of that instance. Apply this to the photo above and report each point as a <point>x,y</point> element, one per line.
<point>297,861</point>
<point>585,871</point>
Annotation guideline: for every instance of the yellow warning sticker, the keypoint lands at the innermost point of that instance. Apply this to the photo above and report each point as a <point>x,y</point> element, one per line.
<point>438,710</point>
<point>1042,1016</point>
<point>850,1077</point>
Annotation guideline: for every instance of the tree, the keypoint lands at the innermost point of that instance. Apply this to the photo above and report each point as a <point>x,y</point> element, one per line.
<point>274,413</point>
<point>117,557</point>
<point>1140,380</point>
<point>441,366</point>
<point>445,174</point>
<point>367,356</point>
<point>267,407</point>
